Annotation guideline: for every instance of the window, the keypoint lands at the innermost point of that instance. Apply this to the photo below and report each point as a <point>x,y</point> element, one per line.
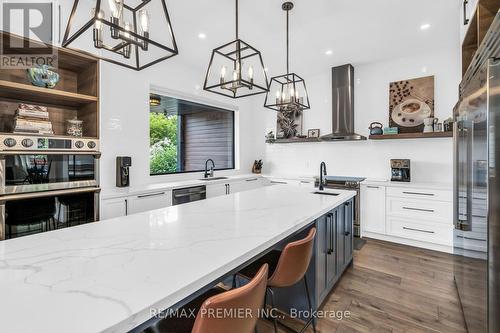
<point>183,135</point>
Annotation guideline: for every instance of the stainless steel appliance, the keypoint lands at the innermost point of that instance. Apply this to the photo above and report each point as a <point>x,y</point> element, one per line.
<point>477,188</point>
<point>343,105</point>
<point>123,164</point>
<point>352,184</point>
<point>188,194</point>
<point>400,171</point>
<point>47,183</point>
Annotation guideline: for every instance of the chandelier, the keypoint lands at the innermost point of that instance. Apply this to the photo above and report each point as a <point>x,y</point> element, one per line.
<point>122,31</point>
<point>236,69</point>
<point>289,89</point>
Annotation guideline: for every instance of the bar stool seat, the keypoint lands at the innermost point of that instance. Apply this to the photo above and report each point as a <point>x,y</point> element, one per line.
<point>184,324</point>
<point>208,313</point>
<point>287,268</point>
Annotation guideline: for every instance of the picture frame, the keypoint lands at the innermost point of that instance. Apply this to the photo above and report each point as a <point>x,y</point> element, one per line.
<point>313,133</point>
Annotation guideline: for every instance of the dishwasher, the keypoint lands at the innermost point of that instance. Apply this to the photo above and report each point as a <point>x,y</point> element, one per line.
<point>188,194</point>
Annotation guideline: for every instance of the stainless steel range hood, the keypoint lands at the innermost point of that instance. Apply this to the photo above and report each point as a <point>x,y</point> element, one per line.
<point>343,105</point>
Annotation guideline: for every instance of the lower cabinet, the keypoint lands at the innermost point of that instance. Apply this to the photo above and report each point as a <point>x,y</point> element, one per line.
<point>334,248</point>
<point>111,208</point>
<point>149,201</point>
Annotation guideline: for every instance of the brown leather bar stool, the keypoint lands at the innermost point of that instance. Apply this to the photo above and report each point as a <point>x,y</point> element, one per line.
<point>211,307</point>
<point>286,268</point>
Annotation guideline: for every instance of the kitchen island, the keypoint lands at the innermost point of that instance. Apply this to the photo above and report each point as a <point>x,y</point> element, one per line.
<point>109,276</point>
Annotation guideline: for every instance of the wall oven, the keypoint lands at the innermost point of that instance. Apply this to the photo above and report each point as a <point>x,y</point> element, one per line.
<point>47,183</point>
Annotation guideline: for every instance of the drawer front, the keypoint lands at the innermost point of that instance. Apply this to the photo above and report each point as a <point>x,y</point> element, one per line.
<point>424,210</point>
<point>421,231</point>
<point>418,193</point>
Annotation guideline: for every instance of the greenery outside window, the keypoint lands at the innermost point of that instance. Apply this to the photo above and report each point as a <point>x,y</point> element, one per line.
<point>184,134</point>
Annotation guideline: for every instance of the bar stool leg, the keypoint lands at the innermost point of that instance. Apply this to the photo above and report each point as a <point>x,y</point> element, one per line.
<point>273,306</point>
<point>311,319</point>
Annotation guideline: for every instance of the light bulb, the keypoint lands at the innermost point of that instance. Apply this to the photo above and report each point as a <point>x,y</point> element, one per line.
<point>278,94</point>
<point>235,75</point>
<point>144,20</point>
<point>116,7</point>
<point>223,72</point>
<point>250,72</point>
<point>127,27</point>
<point>98,23</point>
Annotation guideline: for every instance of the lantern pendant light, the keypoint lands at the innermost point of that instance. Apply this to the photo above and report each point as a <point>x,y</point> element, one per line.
<point>236,69</point>
<point>121,31</point>
<point>290,88</point>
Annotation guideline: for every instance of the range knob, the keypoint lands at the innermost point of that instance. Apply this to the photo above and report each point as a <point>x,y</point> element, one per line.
<point>79,144</point>
<point>10,142</point>
<point>91,144</point>
<point>27,143</point>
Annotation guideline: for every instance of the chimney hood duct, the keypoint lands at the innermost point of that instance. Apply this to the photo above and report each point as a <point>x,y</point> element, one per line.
<point>343,105</point>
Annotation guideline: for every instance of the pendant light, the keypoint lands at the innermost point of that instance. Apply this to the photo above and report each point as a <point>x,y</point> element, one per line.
<point>236,69</point>
<point>121,31</point>
<point>287,92</point>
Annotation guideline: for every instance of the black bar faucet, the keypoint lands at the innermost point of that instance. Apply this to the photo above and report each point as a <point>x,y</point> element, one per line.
<point>209,173</point>
<point>322,172</point>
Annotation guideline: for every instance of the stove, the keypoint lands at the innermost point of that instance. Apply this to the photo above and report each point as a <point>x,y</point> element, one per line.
<point>348,183</point>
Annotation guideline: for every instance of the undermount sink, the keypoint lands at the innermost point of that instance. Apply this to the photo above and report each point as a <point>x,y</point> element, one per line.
<point>212,178</point>
<point>325,193</point>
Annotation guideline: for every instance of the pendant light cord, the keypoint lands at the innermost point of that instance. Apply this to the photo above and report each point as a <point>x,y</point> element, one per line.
<point>287,43</point>
<point>237,23</point>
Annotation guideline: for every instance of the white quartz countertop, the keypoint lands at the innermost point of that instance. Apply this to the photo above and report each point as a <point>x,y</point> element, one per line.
<point>106,276</point>
<point>422,185</point>
<point>116,192</point>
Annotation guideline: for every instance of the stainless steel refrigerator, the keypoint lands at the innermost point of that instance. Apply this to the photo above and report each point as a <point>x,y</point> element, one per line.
<point>477,189</point>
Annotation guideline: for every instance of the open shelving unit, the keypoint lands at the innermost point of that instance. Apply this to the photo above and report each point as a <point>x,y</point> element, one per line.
<point>478,27</point>
<point>411,136</point>
<point>75,96</point>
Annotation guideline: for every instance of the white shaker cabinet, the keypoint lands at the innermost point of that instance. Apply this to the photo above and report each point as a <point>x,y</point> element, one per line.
<point>216,190</point>
<point>111,208</point>
<point>373,208</point>
<point>149,201</point>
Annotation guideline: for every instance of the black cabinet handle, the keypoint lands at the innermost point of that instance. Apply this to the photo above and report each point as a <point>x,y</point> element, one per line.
<point>419,230</point>
<point>466,20</point>
<point>329,218</point>
<point>347,233</point>
<point>419,209</point>
<point>419,193</point>
<point>126,207</point>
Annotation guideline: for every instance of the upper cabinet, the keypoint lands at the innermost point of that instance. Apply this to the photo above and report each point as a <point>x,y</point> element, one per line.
<point>476,19</point>
<point>466,15</point>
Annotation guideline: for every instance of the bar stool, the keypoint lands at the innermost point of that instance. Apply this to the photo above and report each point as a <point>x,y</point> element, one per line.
<point>219,301</point>
<point>286,268</point>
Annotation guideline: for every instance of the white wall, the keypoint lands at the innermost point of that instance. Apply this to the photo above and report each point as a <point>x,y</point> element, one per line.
<point>431,158</point>
<point>125,118</point>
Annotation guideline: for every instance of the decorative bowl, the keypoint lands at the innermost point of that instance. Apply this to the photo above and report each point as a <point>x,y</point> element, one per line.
<point>42,76</point>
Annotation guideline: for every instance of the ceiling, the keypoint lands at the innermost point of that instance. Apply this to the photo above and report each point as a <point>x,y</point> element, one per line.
<point>356,31</point>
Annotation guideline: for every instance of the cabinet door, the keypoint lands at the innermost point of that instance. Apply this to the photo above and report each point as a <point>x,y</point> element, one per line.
<point>216,190</point>
<point>373,209</point>
<point>348,234</point>
<point>340,235</point>
<point>322,247</point>
<point>111,208</point>
<point>244,185</point>
<point>149,201</point>
<point>331,260</point>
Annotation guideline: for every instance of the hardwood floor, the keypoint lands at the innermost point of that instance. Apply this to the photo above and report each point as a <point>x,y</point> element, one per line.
<point>394,288</point>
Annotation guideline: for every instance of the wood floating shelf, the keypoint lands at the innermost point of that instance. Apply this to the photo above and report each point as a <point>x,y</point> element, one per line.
<point>411,136</point>
<point>296,140</point>
<point>35,94</point>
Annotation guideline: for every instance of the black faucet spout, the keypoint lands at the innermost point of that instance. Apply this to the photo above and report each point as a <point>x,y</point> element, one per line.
<point>209,173</point>
<point>322,174</point>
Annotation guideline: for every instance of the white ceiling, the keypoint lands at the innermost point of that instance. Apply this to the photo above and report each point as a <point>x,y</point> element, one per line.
<point>357,31</point>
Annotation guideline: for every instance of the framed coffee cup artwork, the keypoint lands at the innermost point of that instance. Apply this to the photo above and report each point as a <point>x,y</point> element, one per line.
<point>313,133</point>
<point>410,102</point>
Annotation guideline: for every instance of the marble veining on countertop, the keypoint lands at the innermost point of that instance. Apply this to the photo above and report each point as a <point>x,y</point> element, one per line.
<point>106,276</point>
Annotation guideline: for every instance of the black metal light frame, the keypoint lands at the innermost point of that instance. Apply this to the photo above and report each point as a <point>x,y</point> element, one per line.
<point>287,80</point>
<point>135,40</point>
<point>236,55</point>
